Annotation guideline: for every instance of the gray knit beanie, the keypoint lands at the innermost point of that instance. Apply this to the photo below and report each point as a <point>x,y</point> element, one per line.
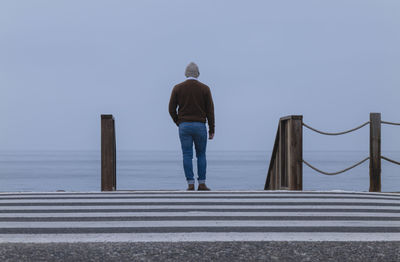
<point>192,70</point>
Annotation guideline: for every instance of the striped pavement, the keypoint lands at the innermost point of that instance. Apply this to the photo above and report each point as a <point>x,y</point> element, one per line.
<point>174,216</point>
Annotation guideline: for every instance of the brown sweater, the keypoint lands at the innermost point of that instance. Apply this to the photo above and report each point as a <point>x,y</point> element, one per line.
<point>194,102</point>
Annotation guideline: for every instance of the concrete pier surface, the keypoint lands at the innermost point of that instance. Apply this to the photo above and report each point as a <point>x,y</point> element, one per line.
<point>200,226</point>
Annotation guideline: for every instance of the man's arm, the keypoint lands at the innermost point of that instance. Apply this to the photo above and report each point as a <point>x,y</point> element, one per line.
<point>173,103</point>
<point>210,113</point>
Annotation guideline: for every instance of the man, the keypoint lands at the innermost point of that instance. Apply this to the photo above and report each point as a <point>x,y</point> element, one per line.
<point>195,105</point>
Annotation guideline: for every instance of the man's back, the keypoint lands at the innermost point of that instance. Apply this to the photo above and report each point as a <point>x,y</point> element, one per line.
<point>194,102</point>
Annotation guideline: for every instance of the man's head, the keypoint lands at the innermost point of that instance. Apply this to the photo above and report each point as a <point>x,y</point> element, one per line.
<point>192,70</point>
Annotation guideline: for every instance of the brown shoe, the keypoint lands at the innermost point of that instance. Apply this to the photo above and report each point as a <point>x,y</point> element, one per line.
<point>203,187</point>
<point>190,187</point>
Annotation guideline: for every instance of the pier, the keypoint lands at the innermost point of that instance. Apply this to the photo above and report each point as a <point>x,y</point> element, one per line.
<point>281,223</point>
<point>199,216</point>
<point>176,225</point>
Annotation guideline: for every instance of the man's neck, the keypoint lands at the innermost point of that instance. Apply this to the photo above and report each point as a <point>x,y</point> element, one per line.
<point>191,78</point>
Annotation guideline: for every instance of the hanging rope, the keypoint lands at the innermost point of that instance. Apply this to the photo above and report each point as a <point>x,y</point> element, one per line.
<point>336,134</point>
<point>390,123</point>
<point>390,160</point>
<point>338,172</point>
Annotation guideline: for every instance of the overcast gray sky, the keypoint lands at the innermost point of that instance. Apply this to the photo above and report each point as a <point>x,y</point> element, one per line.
<point>63,63</point>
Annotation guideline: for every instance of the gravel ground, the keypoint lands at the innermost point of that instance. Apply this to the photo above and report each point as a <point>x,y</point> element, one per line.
<point>202,251</point>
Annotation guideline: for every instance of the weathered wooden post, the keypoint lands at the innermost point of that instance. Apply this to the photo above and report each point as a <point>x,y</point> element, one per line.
<point>295,153</point>
<point>375,152</point>
<point>281,178</point>
<point>286,165</point>
<point>108,154</point>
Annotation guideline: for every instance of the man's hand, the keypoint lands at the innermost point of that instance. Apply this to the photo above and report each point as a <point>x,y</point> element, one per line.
<point>210,136</point>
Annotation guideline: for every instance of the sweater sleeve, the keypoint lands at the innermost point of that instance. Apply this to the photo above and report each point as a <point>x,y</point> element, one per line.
<point>173,103</point>
<point>210,112</point>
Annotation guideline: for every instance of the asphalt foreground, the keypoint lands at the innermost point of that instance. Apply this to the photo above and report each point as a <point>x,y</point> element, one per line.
<point>202,251</point>
<point>200,226</point>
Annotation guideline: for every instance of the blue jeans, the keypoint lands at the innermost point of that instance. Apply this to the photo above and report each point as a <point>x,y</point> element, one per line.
<point>189,133</point>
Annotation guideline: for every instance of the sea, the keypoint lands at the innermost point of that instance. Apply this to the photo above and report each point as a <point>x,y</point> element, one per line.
<point>49,171</point>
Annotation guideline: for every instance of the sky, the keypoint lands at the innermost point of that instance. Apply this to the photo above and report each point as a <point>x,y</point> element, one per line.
<point>64,63</point>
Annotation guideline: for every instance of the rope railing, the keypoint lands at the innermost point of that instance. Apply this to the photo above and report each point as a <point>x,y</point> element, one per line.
<point>390,123</point>
<point>390,160</point>
<point>286,165</point>
<point>338,172</point>
<point>338,133</point>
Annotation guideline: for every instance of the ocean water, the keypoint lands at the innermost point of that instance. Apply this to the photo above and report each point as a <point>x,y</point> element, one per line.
<point>162,170</point>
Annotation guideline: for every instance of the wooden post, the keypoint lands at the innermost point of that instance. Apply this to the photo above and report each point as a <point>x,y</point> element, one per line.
<point>375,152</point>
<point>282,172</point>
<point>295,153</point>
<point>108,153</point>
<point>286,165</point>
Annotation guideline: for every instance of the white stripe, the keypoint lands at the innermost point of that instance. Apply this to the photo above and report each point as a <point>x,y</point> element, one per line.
<point>199,214</point>
<point>197,237</point>
<point>196,195</point>
<point>183,207</point>
<point>209,200</point>
<point>205,223</point>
